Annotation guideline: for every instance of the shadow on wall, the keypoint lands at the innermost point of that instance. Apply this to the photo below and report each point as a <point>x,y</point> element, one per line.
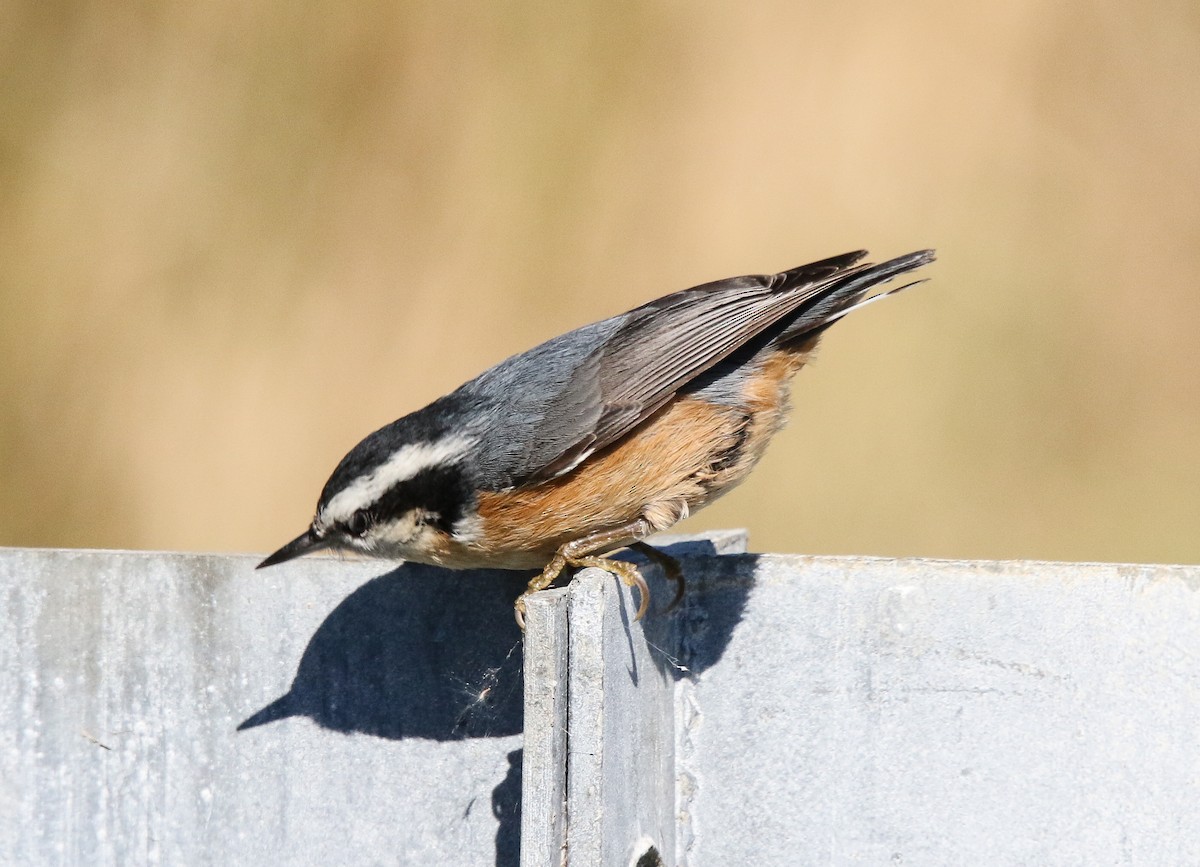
<point>422,652</point>
<point>419,652</point>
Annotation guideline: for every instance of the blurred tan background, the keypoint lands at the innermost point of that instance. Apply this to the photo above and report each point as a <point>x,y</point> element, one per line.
<point>236,237</point>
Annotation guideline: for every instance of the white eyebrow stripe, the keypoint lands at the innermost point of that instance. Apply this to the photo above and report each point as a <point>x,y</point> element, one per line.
<point>404,464</point>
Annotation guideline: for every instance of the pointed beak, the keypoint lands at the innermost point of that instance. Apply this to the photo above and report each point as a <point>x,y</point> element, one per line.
<point>303,544</point>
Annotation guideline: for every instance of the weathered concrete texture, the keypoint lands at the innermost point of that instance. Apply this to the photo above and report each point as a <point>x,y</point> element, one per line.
<point>599,737</point>
<point>856,711</point>
<point>124,678</point>
<point>940,713</point>
<point>187,709</point>
<point>544,773</point>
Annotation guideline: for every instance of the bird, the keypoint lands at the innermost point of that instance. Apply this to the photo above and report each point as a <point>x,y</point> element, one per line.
<point>590,442</point>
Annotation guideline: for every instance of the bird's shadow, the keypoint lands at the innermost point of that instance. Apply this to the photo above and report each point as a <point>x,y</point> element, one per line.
<point>422,652</point>
<point>419,652</point>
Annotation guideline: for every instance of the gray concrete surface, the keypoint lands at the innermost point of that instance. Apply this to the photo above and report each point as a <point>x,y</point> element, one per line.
<point>919,712</point>
<point>544,774</point>
<point>185,709</point>
<point>598,770</point>
<point>843,711</point>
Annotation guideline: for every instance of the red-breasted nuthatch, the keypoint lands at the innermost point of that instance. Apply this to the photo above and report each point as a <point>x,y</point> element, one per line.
<point>595,439</point>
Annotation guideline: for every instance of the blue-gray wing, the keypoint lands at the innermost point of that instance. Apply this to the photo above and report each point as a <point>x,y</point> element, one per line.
<point>585,390</point>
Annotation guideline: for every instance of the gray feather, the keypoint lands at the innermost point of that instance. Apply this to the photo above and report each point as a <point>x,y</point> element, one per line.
<point>582,391</point>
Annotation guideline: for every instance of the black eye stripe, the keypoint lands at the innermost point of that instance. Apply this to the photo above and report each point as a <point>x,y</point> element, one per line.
<point>441,491</point>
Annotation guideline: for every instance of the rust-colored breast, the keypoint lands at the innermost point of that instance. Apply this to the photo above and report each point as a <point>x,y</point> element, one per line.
<point>684,457</point>
<point>611,488</point>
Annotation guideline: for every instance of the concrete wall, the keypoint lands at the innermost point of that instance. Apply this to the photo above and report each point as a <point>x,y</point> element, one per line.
<point>184,709</point>
<point>163,708</point>
<point>941,713</point>
<point>858,711</point>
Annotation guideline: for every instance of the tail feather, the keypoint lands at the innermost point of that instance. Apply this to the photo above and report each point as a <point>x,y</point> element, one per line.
<point>847,291</point>
<point>815,272</point>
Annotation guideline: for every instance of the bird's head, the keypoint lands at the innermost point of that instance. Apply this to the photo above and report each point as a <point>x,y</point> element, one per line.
<point>394,496</point>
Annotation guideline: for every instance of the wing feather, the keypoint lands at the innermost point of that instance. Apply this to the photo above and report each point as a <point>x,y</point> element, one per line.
<point>661,346</point>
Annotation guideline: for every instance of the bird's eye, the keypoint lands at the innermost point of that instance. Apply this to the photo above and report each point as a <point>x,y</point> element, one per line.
<point>358,523</point>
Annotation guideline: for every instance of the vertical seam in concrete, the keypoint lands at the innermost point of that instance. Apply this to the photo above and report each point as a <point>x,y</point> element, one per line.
<point>543,814</point>
<point>687,715</point>
<point>566,754</point>
<point>585,718</point>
